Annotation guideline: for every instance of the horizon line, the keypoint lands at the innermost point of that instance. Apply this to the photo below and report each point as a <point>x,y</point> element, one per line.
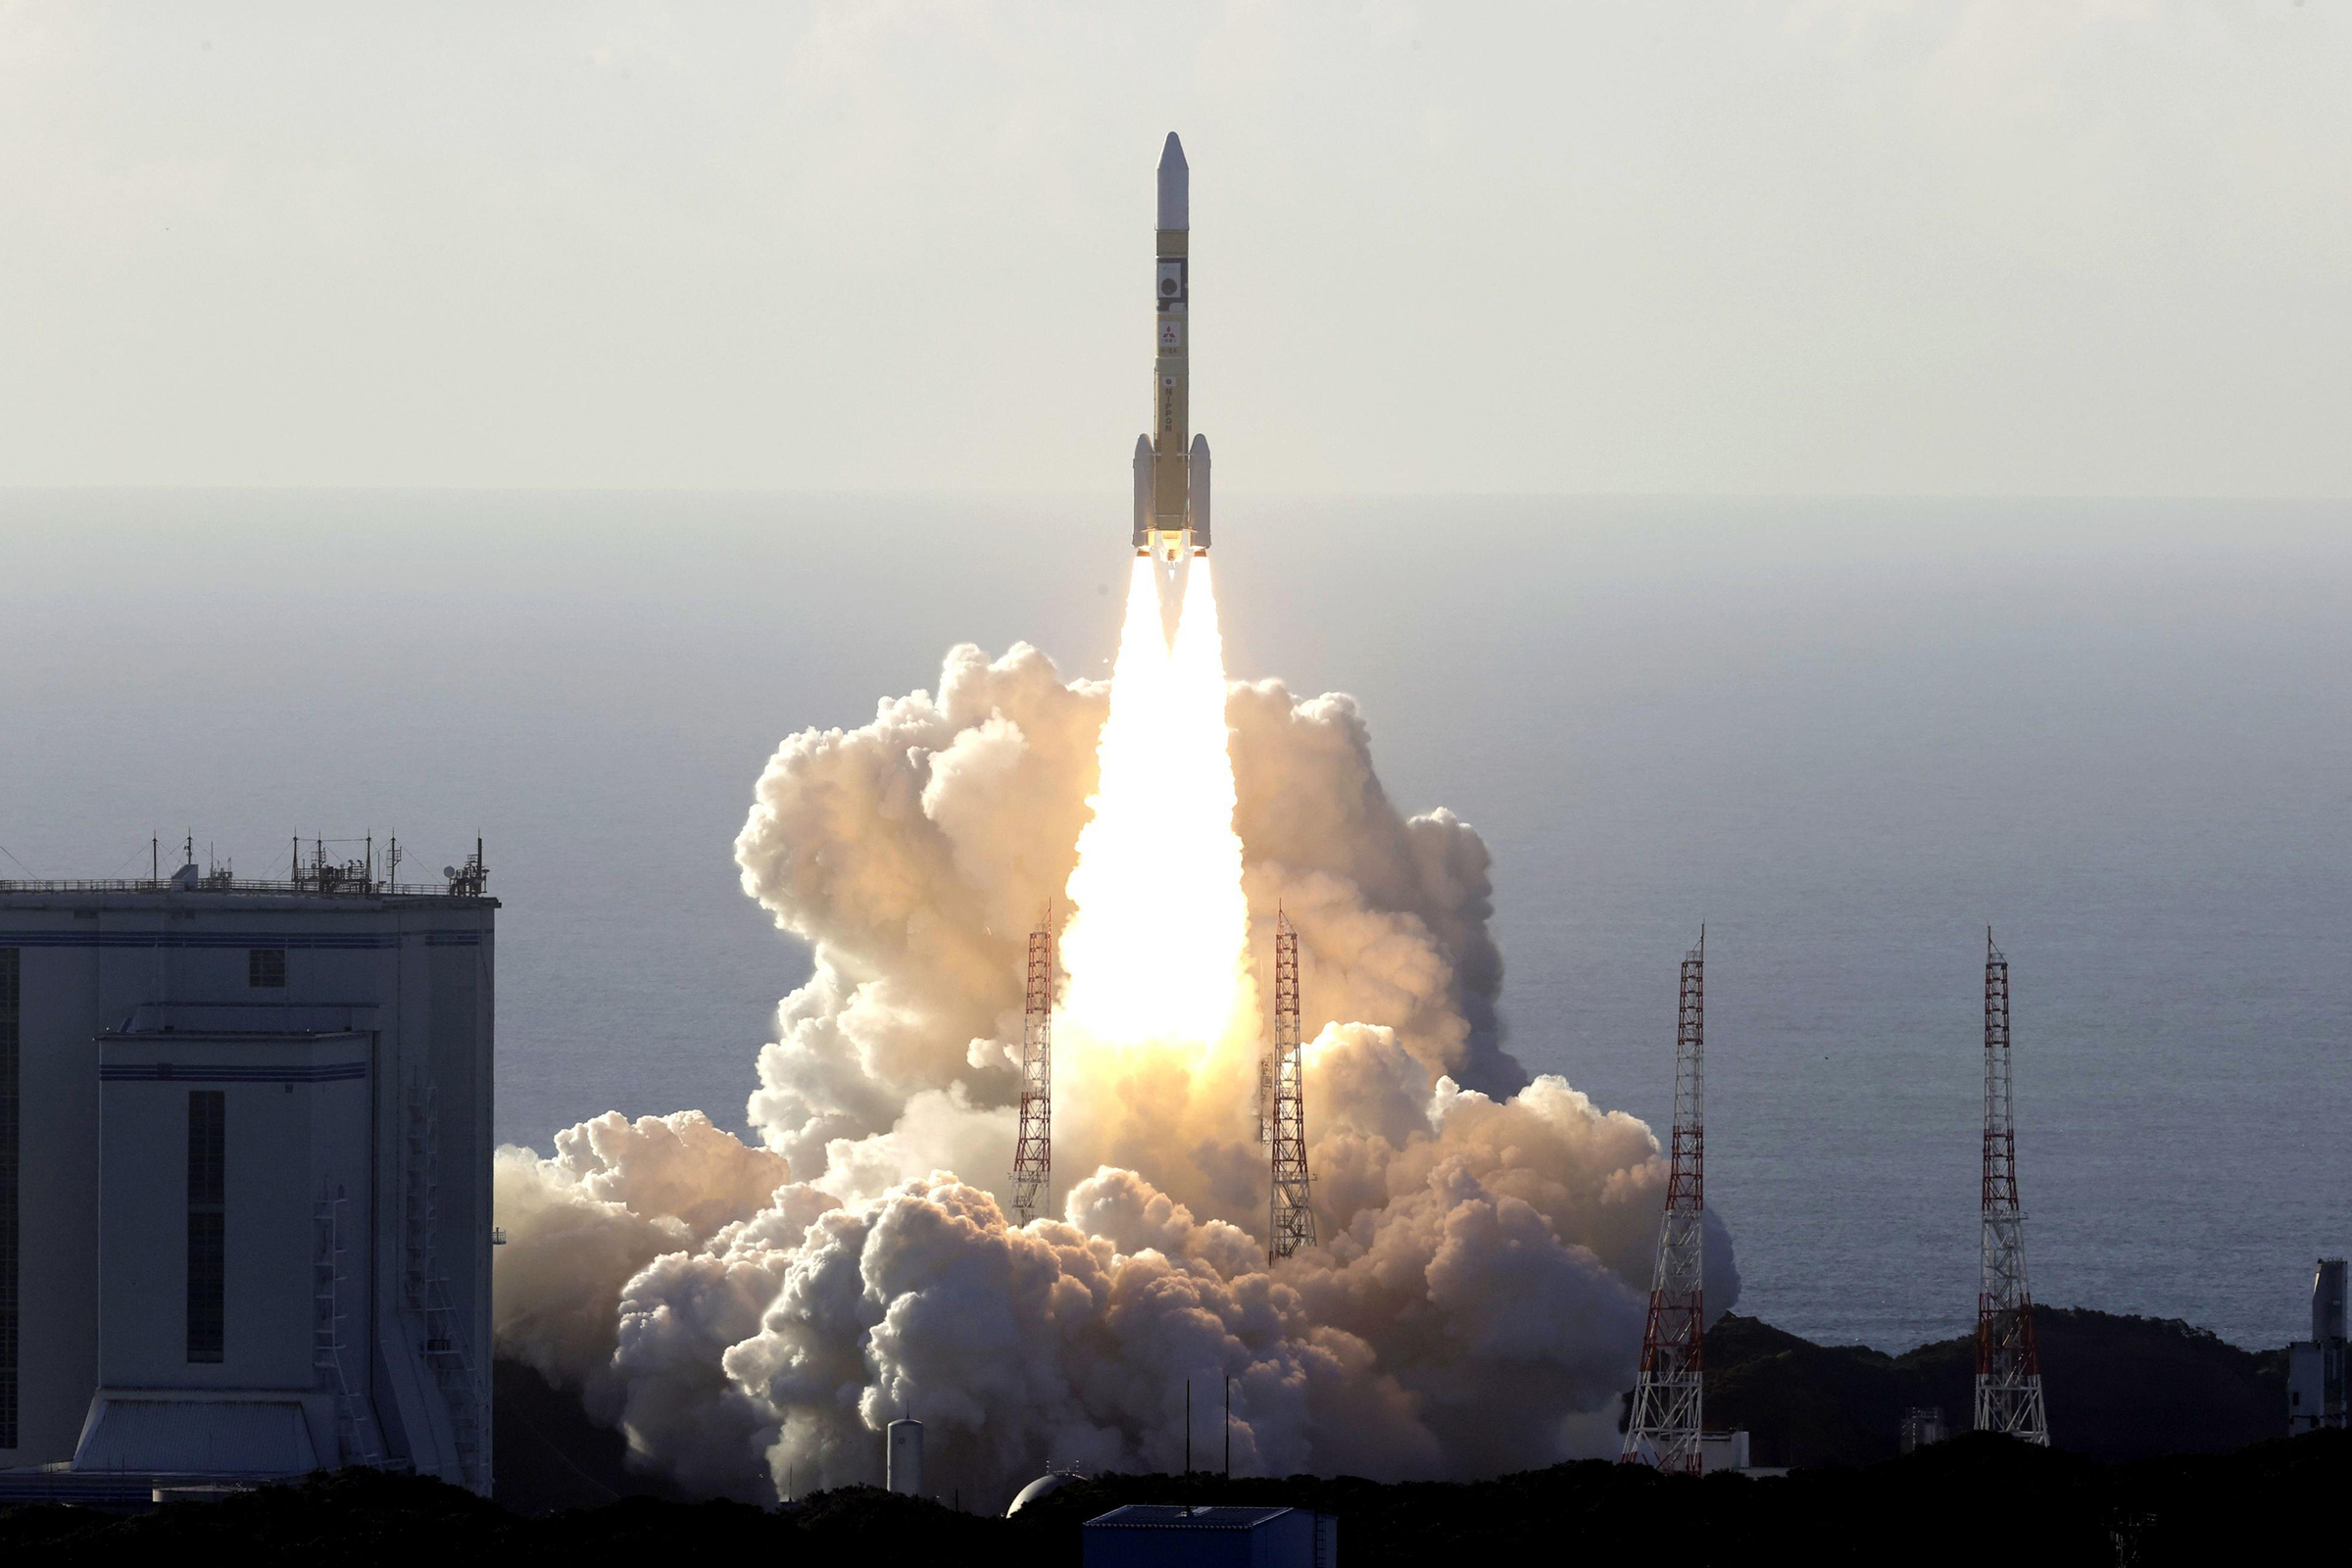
<point>1120,491</point>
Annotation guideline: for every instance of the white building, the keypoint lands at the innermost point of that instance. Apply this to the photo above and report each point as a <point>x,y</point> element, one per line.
<point>244,1178</point>
<point>2315,1368</point>
<point>1722,1450</point>
<point>1922,1425</point>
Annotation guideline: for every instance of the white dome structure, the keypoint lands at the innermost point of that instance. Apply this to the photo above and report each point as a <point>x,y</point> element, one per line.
<point>1051,1481</point>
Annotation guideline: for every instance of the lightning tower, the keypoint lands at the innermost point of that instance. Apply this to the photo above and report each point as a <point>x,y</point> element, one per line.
<point>2008,1367</point>
<point>1291,1221</point>
<point>1033,1152</point>
<point>1663,1427</point>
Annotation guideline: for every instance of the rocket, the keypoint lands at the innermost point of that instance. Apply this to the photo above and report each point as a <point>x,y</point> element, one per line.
<point>1171,476</point>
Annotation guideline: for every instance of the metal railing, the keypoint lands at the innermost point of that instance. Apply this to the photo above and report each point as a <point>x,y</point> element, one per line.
<point>308,886</point>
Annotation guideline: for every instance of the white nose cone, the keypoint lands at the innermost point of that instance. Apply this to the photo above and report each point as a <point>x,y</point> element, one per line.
<point>1175,186</point>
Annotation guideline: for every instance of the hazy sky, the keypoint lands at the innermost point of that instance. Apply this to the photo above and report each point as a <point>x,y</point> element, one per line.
<point>2052,246</point>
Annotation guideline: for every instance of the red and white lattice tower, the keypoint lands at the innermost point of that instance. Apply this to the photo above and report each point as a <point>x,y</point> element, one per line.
<point>1291,1221</point>
<point>1033,1152</point>
<point>2008,1367</point>
<point>1663,1427</point>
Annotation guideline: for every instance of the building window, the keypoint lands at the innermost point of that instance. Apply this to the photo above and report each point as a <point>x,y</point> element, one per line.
<point>9,1042</point>
<point>207,1272</point>
<point>266,968</point>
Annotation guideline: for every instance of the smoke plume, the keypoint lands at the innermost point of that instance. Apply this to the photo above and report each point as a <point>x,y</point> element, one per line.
<point>751,1315</point>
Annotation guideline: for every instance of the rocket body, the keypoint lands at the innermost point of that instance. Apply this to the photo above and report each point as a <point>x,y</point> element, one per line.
<point>1171,463</point>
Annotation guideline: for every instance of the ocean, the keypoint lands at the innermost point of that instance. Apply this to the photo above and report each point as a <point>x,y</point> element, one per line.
<point>1846,735</point>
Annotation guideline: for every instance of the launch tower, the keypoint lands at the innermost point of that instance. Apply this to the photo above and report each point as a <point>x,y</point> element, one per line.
<point>2008,1368</point>
<point>1033,1152</point>
<point>1663,1428</point>
<point>1291,1221</point>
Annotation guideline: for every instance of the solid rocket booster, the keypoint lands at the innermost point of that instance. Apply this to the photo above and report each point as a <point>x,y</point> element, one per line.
<point>1172,465</point>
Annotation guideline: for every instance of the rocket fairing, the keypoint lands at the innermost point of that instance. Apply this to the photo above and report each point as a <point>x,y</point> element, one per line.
<point>1172,465</point>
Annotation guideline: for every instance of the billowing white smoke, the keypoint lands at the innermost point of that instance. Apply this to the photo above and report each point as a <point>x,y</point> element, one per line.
<point>752,1316</point>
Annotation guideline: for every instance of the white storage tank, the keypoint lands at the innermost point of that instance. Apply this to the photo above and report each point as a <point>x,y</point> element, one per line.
<point>904,1467</point>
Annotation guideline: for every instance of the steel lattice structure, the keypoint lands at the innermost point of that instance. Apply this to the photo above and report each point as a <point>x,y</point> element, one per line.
<point>1033,1152</point>
<point>1662,1429</point>
<point>1290,1220</point>
<point>2008,1367</point>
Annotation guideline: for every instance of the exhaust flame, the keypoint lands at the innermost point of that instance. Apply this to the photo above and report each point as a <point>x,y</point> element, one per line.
<point>754,1313</point>
<point>1157,948</point>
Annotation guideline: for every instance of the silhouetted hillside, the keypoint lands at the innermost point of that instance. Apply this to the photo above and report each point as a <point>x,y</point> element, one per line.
<point>1956,1502</point>
<point>2122,1390</point>
<point>2118,1389</point>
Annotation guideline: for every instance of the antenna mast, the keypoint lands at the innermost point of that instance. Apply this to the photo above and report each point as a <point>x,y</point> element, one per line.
<point>1290,1220</point>
<point>1663,1427</point>
<point>1033,1152</point>
<point>2008,1366</point>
